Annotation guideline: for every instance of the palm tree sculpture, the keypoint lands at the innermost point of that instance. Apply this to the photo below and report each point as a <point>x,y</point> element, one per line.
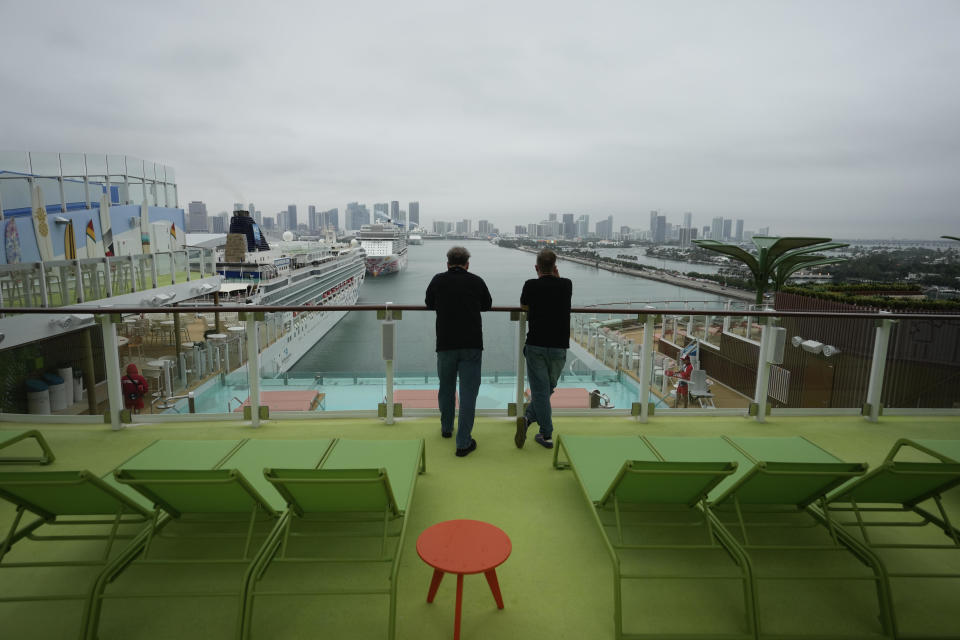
<point>777,258</point>
<point>951,237</point>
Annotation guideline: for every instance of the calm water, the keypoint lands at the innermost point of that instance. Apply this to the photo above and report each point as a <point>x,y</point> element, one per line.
<point>353,345</point>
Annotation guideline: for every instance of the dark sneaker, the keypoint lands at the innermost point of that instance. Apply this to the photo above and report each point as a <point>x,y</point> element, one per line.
<point>521,435</point>
<point>445,434</point>
<point>543,442</point>
<point>473,447</point>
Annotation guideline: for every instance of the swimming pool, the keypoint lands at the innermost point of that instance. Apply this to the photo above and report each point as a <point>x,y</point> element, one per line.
<point>365,391</point>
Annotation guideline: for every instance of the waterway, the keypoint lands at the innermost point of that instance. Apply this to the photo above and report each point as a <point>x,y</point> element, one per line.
<point>660,263</point>
<point>353,346</point>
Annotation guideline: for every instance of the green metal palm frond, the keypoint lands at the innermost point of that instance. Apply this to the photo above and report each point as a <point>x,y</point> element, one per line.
<point>951,238</point>
<point>776,247</point>
<point>791,264</point>
<point>734,252</point>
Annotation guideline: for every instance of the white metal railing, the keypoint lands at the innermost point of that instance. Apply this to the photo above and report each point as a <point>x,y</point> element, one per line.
<point>63,282</point>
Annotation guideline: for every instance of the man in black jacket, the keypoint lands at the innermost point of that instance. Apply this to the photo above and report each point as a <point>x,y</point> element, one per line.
<point>458,298</point>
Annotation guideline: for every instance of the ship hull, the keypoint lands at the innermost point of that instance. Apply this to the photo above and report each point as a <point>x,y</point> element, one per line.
<point>383,265</point>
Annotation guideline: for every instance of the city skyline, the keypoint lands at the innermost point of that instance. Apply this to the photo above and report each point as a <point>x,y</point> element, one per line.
<point>816,118</point>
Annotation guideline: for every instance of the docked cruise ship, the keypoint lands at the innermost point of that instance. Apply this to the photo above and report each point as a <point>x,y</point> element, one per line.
<point>293,273</point>
<point>386,247</point>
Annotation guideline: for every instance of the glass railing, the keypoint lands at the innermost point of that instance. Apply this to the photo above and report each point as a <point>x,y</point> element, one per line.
<point>310,362</point>
<point>73,180</point>
<point>64,282</point>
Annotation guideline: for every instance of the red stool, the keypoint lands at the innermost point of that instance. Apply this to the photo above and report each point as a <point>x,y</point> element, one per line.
<point>464,547</point>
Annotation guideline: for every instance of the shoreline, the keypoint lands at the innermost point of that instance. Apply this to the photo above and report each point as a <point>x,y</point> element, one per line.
<point>678,280</point>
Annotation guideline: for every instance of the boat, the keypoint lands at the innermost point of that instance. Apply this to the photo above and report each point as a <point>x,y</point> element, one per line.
<point>386,247</point>
<point>415,238</point>
<point>294,272</point>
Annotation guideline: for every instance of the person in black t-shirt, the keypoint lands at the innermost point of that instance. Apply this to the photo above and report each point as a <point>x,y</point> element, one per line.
<point>458,298</point>
<point>546,300</point>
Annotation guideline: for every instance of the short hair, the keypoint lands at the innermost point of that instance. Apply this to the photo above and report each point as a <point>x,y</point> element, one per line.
<point>546,260</point>
<point>458,256</point>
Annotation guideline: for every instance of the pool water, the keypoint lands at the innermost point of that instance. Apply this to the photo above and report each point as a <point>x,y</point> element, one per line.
<point>365,392</point>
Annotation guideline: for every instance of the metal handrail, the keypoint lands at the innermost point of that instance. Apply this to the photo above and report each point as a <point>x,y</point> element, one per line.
<point>250,308</point>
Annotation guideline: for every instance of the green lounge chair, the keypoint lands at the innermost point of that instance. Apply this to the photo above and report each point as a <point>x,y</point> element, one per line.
<point>205,491</point>
<point>647,508</point>
<point>888,502</point>
<point>10,438</point>
<point>84,511</point>
<point>772,508</point>
<point>351,510</point>
<point>943,450</point>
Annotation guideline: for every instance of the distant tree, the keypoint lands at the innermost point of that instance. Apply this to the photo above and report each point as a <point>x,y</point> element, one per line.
<point>776,258</point>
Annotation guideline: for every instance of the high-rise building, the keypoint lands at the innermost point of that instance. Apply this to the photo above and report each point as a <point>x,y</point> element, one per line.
<point>330,219</point>
<point>738,233</point>
<point>552,217</point>
<point>660,230</point>
<point>282,221</point>
<point>716,232</point>
<point>381,211</point>
<point>439,226</point>
<point>292,217</point>
<point>687,220</point>
<point>220,222</point>
<point>520,230</point>
<point>569,230</point>
<point>706,233</point>
<point>356,216</point>
<point>269,224</point>
<point>197,217</point>
<point>727,229</point>
<point>313,221</point>
<point>605,228</point>
<point>465,227</point>
<point>414,210</point>
<point>251,209</point>
<point>394,210</point>
<point>686,235</point>
<point>653,223</point>
<point>237,206</point>
<point>484,227</point>
<point>763,231</point>
<point>583,226</point>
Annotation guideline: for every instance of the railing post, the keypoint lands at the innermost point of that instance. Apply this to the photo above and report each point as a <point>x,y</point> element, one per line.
<point>878,367</point>
<point>44,293</point>
<point>253,368</point>
<point>111,356</point>
<point>521,361</point>
<point>646,367</point>
<point>763,371</point>
<point>81,296</point>
<point>153,269</point>
<point>726,319</point>
<point>173,267</point>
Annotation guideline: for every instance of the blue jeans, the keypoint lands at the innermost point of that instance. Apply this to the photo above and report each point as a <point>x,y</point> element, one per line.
<point>544,365</point>
<point>466,363</point>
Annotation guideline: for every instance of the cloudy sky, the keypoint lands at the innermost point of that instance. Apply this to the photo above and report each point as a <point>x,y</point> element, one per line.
<point>837,117</point>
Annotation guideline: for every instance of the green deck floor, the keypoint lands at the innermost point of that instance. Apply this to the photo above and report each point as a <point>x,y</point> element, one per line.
<point>556,584</point>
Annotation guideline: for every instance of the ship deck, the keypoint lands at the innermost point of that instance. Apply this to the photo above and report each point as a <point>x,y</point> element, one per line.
<point>557,582</point>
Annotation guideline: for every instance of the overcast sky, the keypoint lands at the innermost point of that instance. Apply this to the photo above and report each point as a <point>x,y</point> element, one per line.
<point>834,118</point>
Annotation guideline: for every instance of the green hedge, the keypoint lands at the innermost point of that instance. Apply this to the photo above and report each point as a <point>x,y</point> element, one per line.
<point>893,304</point>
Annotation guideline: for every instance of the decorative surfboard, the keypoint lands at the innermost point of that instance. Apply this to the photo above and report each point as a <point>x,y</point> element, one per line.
<point>41,226</point>
<point>91,241</point>
<point>145,226</point>
<point>106,234</point>
<point>69,243</point>
<point>11,241</point>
